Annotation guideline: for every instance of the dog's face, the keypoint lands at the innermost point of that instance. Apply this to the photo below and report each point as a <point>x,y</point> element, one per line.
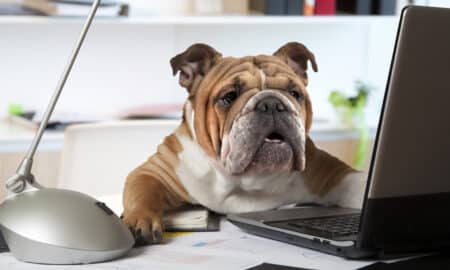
<point>250,114</point>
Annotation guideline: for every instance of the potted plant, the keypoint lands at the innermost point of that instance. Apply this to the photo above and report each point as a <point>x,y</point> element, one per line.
<point>350,112</point>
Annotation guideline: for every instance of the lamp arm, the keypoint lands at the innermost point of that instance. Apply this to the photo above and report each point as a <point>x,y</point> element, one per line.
<point>18,182</point>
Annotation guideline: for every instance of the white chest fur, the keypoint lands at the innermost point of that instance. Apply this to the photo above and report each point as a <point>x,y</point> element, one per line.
<point>209,186</point>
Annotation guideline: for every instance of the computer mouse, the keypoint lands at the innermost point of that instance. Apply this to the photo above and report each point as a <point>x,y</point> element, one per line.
<point>57,226</point>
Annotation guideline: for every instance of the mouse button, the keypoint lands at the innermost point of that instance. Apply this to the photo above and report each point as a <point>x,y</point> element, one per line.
<point>104,207</point>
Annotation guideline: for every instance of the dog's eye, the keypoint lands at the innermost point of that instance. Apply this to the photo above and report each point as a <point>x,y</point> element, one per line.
<point>296,94</point>
<point>229,98</point>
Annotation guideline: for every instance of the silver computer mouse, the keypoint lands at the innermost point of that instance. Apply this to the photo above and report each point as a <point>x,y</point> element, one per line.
<point>57,226</point>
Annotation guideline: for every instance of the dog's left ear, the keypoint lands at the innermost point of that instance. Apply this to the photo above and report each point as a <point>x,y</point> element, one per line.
<point>194,63</point>
<point>296,55</point>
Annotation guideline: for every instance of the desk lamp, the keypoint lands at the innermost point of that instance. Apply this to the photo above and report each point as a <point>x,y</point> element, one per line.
<point>56,226</point>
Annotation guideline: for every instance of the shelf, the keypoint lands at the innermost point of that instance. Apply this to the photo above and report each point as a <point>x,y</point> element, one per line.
<point>206,20</point>
<point>16,139</point>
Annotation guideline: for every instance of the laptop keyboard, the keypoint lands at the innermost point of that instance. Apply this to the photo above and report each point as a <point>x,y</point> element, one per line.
<point>336,226</point>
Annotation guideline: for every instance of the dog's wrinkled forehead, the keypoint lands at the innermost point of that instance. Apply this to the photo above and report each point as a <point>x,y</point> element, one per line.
<point>201,61</point>
<point>236,79</point>
<point>262,71</point>
<point>272,73</point>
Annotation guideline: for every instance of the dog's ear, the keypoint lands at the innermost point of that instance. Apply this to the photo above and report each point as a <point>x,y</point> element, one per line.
<point>296,55</point>
<point>194,63</point>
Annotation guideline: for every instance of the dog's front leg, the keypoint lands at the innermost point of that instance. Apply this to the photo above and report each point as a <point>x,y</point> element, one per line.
<point>151,189</point>
<point>145,199</point>
<point>335,182</point>
<point>350,191</point>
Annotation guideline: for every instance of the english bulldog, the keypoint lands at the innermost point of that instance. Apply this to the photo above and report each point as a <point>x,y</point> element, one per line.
<point>242,144</point>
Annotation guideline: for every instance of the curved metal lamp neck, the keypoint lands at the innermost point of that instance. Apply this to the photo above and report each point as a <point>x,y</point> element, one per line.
<point>24,179</point>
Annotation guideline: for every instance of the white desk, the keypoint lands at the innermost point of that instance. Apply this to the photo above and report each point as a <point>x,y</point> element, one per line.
<point>228,249</point>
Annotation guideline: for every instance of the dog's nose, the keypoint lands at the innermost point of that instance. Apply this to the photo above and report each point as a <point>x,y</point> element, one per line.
<point>270,105</point>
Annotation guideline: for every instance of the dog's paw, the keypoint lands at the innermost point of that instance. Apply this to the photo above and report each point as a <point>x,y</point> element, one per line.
<point>349,193</point>
<point>146,226</point>
<point>353,190</point>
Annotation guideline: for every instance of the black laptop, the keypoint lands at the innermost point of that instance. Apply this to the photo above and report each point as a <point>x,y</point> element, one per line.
<point>407,200</point>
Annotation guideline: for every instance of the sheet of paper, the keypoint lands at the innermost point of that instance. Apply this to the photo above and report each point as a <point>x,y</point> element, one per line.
<point>227,249</point>
<point>162,257</point>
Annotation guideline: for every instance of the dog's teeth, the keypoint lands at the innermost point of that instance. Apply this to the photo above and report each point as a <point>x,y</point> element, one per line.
<point>274,138</point>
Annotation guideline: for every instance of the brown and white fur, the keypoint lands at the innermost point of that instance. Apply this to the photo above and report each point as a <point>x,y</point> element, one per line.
<point>242,145</point>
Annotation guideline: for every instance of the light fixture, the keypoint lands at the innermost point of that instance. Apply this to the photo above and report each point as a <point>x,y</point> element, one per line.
<point>56,226</point>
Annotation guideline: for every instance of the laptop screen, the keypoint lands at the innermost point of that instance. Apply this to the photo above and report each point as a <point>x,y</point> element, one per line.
<point>412,151</point>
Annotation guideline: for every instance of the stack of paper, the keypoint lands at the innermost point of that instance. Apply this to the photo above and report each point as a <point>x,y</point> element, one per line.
<point>186,218</point>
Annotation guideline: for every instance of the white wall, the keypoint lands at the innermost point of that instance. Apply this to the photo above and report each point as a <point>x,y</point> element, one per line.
<point>118,66</point>
<point>127,64</point>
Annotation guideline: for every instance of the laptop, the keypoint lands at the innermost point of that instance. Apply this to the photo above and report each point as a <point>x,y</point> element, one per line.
<point>407,199</point>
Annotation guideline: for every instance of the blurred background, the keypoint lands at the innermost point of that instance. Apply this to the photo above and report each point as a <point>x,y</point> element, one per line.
<point>123,68</point>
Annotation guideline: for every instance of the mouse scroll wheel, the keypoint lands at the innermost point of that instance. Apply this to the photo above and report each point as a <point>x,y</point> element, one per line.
<point>105,208</point>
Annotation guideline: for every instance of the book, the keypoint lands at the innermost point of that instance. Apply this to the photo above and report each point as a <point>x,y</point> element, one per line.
<point>363,7</point>
<point>294,7</point>
<point>284,7</point>
<point>275,7</point>
<point>257,6</point>
<point>76,7</point>
<point>386,7</point>
<point>358,7</point>
<point>325,7</point>
<point>236,7</point>
<point>192,218</point>
<point>308,7</point>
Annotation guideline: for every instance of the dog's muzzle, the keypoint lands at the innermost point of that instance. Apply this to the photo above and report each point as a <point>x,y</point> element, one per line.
<point>267,136</point>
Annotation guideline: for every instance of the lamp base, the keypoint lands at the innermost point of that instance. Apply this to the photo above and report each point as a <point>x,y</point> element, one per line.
<point>56,226</point>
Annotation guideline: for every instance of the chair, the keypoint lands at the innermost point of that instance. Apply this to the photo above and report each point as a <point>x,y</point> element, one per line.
<point>97,158</point>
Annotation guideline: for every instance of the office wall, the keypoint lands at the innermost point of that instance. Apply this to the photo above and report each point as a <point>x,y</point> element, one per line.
<point>127,64</point>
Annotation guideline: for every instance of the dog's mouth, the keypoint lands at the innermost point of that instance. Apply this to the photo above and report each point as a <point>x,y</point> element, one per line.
<point>277,149</point>
<point>274,137</point>
<point>274,153</point>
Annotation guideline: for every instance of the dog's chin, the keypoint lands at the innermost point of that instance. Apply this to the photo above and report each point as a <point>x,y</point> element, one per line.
<point>272,156</point>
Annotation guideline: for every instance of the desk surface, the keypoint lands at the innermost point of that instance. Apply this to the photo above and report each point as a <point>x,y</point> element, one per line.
<point>228,249</point>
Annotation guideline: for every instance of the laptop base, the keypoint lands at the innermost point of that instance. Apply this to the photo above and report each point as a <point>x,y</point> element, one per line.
<point>269,224</point>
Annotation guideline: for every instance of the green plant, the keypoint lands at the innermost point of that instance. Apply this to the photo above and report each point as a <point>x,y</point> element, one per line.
<point>15,109</point>
<point>350,111</point>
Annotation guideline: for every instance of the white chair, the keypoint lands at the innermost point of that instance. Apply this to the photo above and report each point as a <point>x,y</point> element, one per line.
<point>96,158</point>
